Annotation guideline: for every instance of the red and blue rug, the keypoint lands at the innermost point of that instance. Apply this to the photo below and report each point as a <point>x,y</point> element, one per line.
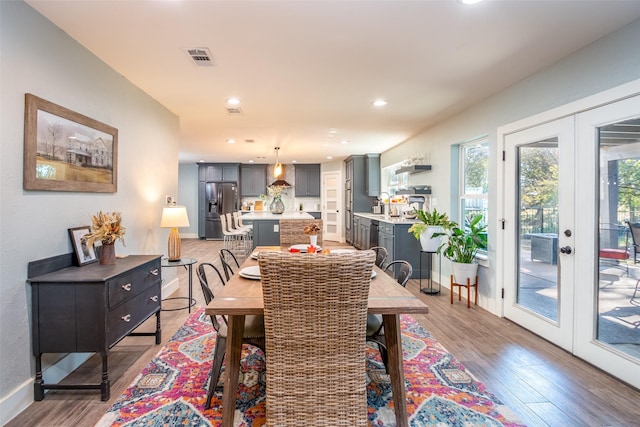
<point>172,389</point>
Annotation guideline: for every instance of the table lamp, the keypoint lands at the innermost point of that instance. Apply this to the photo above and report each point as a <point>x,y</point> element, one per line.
<point>173,217</point>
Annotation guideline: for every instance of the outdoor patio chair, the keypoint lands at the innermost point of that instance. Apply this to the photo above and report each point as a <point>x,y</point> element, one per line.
<point>617,253</point>
<point>634,230</point>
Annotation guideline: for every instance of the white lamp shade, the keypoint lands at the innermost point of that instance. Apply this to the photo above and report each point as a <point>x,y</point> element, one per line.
<point>174,216</point>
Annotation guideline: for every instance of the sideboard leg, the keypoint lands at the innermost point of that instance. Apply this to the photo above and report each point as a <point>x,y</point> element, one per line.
<point>38,388</point>
<point>105,388</point>
<point>158,329</point>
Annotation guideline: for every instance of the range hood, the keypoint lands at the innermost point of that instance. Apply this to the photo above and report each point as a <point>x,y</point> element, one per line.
<point>280,181</point>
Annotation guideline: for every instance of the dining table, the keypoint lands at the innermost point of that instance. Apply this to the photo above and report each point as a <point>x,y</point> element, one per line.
<point>243,296</point>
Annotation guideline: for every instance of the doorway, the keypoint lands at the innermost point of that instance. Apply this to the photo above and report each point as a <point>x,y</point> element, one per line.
<point>571,189</point>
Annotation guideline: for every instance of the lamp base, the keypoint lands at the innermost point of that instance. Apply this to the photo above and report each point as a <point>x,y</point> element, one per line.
<point>173,248</point>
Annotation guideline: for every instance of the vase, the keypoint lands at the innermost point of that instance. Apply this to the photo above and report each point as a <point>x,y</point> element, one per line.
<point>314,239</point>
<point>463,271</point>
<point>276,206</point>
<point>108,254</point>
<point>428,242</point>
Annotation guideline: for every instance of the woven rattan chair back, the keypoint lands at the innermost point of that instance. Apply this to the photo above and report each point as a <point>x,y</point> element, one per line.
<point>313,380</point>
<point>292,231</point>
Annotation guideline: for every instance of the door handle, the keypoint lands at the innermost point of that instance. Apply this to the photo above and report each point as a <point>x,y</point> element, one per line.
<point>566,250</point>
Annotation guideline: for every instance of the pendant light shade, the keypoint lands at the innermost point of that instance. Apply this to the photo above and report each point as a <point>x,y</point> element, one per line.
<point>278,172</point>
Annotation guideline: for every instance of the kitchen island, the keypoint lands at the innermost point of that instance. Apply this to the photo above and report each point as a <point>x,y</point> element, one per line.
<point>266,225</point>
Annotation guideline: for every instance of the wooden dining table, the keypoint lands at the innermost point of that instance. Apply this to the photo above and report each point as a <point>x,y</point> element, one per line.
<point>241,297</point>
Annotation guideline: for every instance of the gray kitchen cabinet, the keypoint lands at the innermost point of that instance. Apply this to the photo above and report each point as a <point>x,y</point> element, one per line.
<point>365,233</point>
<point>266,233</point>
<point>372,173</point>
<point>215,172</point>
<point>253,180</point>
<point>307,183</point>
<point>356,196</point>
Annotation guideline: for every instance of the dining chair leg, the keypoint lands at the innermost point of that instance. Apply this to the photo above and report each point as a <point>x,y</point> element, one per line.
<point>216,368</point>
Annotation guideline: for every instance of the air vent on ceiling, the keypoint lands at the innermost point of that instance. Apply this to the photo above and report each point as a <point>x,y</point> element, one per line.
<point>234,111</point>
<point>200,56</point>
<point>249,141</point>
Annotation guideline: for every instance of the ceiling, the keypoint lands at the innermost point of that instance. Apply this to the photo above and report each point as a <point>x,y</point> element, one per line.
<point>306,72</point>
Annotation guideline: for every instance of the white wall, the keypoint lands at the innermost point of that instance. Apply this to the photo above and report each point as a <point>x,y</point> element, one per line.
<point>39,58</point>
<point>188,196</point>
<point>608,62</point>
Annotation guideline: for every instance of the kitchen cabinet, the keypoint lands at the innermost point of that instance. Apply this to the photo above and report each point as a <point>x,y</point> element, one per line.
<point>316,215</point>
<point>253,180</point>
<point>372,174</point>
<point>358,178</point>
<point>307,183</point>
<point>266,233</point>
<point>215,172</point>
<point>90,309</point>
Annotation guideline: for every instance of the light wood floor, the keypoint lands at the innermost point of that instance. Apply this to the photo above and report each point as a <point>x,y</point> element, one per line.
<point>542,384</point>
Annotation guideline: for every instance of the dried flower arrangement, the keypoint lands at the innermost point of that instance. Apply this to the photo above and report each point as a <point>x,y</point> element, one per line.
<point>106,227</point>
<point>275,191</point>
<point>312,229</point>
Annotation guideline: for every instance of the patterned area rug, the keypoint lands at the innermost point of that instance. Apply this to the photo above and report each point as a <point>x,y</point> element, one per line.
<point>172,389</point>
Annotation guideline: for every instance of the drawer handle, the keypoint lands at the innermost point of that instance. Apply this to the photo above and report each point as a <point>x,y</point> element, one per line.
<point>154,298</point>
<point>154,271</point>
<point>127,318</point>
<point>127,287</point>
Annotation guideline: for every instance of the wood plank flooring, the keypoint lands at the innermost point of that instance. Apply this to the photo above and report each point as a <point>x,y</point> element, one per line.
<point>543,384</point>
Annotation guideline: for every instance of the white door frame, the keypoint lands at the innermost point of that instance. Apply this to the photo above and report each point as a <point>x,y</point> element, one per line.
<point>339,205</point>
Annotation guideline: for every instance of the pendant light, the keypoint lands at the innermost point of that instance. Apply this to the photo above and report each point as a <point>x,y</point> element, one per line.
<point>278,171</point>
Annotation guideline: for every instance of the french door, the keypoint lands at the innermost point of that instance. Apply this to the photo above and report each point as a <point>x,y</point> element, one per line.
<point>332,201</point>
<point>570,186</point>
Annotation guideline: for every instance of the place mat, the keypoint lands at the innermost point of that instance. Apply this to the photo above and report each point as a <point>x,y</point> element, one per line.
<point>252,272</point>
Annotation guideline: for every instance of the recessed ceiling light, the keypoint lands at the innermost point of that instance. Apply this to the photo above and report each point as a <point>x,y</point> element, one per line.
<point>294,161</point>
<point>344,141</point>
<point>201,160</point>
<point>233,101</point>
<point>470,1</point>
<point>250,161</point>
<point>332,131</point>
<point>329,157</point>
<point>231,141</point>
<point>379,103</point>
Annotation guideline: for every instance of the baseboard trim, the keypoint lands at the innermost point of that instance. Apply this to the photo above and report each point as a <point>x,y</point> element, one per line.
<point>170,288</point>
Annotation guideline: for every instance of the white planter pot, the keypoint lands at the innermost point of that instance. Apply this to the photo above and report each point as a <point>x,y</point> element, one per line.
<point>428,242</point>
<point>462,272</point>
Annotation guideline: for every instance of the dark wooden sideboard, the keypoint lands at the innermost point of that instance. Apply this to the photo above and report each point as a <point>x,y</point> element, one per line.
<point>90,309</point>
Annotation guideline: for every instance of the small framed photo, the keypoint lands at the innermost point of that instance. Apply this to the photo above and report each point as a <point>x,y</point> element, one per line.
<point>85,254</point>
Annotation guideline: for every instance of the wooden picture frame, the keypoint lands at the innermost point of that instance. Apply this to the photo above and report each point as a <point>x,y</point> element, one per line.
<point>66,151</point>
<point>84,253</point>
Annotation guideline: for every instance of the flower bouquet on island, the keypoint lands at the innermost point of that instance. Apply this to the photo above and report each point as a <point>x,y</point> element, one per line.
<point>312,231</point>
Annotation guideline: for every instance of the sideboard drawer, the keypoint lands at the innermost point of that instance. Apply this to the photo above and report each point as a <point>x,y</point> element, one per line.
<point>122,319</point>
<point>126,286</point>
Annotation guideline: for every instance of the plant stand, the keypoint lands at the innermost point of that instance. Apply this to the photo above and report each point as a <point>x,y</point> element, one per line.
<point>431,290</point>
<point>468,285</point>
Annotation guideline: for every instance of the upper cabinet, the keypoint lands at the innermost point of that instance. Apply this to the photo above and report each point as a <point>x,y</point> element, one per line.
<point>372,172</point>
<point>307,183</point>
<point>211,172</point>
<point>253,180</point>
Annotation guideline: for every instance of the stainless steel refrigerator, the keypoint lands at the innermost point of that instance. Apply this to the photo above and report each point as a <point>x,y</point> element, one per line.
<point>220,198</point>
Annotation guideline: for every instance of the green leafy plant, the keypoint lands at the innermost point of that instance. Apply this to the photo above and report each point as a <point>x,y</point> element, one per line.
<point>430,219</point>
<point>461,245</point>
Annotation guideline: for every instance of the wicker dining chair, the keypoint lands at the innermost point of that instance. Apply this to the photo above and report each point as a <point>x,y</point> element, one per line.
<point>401,271</point>
<point>228,260</point>
<point>292,231</point>
<point>315,308</point>
<point>253,325</point>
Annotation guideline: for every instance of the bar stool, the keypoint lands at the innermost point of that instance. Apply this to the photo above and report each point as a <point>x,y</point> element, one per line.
<point>468,285</point>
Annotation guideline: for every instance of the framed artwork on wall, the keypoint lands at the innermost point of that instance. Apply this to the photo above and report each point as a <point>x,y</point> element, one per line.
<point>66,151</point>
<point>84,253</point>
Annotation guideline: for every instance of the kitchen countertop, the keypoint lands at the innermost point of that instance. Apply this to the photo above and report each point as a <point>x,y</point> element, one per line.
<point>266,215</point>
<point>386,218</point>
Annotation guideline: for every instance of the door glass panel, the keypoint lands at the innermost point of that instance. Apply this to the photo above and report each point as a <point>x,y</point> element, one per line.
<point>537,287</point>
<point>618,263</point>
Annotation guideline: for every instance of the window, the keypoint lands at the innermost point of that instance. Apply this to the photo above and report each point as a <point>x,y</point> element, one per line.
<point>474,180</point>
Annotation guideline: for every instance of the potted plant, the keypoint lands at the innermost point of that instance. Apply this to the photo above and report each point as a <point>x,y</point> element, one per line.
<point>431,227</point>
<point>461,246</point>
<point>106,227</point>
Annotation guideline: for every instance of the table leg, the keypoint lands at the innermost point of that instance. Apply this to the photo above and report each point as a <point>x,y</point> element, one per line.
<point>190,286</point>
<point>393,338</point>
<point>233,356</point>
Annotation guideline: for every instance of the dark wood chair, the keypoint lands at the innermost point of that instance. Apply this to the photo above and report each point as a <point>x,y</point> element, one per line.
<point>210,277</point>
<point>401,270</point>
<point>314,309</point>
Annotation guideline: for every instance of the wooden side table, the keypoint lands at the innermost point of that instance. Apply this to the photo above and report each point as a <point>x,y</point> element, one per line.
<point>468,285</point>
